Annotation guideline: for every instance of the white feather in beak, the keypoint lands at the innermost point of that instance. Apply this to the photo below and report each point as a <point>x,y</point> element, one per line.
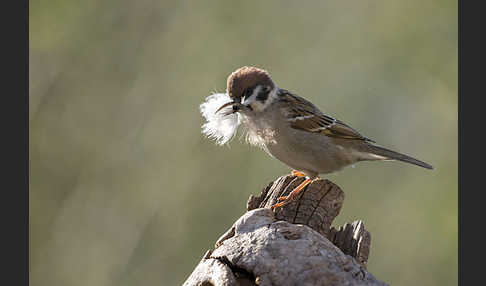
<point>219,127</point>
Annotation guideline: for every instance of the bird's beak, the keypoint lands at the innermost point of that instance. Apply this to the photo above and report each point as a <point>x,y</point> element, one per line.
<point>236,106</point>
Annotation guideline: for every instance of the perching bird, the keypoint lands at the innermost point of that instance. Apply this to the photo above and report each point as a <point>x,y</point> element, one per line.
<point>289,128</point>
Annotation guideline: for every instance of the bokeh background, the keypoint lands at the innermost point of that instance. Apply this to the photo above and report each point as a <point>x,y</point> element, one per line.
<point>125,190</point>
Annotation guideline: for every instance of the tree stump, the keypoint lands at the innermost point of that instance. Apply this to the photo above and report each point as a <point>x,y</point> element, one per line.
<point>293,245</point>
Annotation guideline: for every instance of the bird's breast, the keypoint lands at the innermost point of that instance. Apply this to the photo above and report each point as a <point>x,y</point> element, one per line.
<point>303,150</point>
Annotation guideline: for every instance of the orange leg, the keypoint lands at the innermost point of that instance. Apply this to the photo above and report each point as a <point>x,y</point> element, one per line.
<point>297,173</point>
<point>293,195</point>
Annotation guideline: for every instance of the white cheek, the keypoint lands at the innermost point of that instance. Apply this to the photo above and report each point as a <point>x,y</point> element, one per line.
<point>258,105</point>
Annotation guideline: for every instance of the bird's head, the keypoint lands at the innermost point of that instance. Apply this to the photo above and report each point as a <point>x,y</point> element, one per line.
<point>251,89</point>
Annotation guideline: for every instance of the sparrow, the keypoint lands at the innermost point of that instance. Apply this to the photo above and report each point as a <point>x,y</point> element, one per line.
<point>289,128</point>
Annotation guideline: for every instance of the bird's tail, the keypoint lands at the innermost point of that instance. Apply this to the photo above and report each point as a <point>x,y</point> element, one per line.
<point>392,155</point>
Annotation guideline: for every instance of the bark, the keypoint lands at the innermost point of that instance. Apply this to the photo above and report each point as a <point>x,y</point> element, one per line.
<point>293,245</point>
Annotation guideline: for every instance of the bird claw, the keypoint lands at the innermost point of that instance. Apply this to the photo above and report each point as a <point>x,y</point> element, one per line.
<point>292,196</point>
<point>281,204</point>
<point>283,198</point>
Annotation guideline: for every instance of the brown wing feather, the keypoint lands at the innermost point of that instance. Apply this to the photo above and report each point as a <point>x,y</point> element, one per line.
<point>306,116</point>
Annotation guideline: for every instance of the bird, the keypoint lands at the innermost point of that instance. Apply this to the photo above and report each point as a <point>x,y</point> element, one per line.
<point>296,132</point>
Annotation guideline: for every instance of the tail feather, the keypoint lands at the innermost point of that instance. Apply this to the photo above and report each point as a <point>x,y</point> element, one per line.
<point>392,155</point>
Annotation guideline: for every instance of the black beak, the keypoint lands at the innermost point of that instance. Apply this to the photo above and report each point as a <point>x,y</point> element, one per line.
<point>236,107</point>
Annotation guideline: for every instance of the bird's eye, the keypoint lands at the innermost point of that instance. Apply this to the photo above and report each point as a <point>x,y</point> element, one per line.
<point>263,94</point>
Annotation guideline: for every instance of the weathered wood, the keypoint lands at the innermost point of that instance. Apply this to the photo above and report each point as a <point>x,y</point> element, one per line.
<point>295,245</point>
<point>317,206</point>
<point>353,239</point>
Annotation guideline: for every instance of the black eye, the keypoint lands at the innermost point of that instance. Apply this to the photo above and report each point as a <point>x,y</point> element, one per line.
<point>263,93</point>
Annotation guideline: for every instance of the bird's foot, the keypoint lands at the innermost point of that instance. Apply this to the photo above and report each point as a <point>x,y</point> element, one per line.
<point>293,195</point>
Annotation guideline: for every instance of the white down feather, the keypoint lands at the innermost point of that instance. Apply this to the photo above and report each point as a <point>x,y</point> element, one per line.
<point>219,127</point>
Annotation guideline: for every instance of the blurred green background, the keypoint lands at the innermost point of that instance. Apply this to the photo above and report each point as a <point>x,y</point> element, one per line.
<point>125,190</point>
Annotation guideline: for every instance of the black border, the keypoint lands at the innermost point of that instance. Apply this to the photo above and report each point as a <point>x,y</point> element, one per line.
<point>471,78</point>
<point>14,209</point>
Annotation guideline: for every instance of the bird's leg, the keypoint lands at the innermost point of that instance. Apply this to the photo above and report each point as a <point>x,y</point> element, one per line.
<point>293,173</point>
<point>293,195</point>
<point>297,173</point>
<point>295,191</point>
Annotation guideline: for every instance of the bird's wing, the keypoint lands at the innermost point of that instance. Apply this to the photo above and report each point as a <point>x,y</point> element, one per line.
<point>304,115</point>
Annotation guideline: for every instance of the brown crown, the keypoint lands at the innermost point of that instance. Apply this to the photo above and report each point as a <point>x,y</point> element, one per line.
<point>245,77</point>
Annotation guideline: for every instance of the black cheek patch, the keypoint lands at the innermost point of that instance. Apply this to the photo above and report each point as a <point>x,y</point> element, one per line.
<point>262,95</point>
